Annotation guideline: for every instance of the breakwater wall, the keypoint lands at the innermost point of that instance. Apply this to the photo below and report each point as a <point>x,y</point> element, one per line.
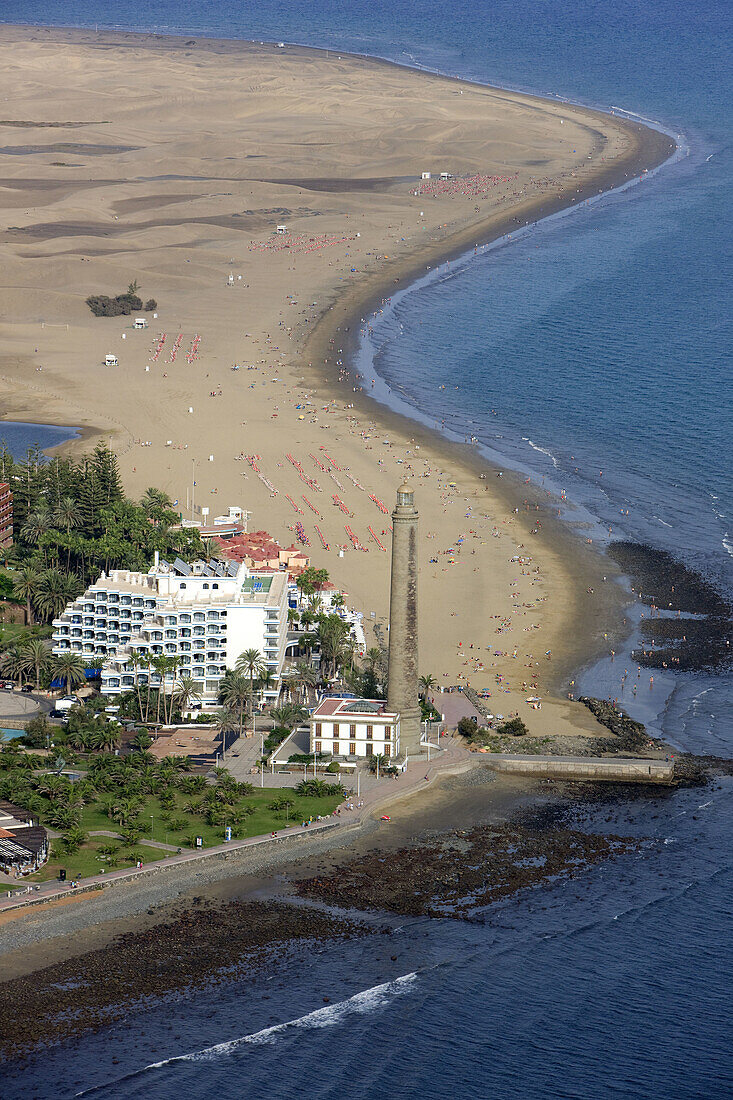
<point>614,769</point>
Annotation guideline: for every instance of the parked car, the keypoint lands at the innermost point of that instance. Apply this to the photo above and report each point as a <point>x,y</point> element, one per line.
<point>66,702</point>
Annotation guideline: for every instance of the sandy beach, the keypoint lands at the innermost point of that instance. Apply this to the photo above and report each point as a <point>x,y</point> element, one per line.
<point>171,162</point>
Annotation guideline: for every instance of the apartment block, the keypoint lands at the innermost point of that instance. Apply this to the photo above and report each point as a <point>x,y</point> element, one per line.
<point>203,613</point>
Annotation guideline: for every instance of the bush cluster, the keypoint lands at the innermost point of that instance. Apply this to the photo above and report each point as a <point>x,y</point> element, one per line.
<point>103,306</point>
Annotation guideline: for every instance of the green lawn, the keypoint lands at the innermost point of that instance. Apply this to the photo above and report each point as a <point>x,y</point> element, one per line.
<point>261,821</point>
<point>12,632</point>
<point>87,861</point>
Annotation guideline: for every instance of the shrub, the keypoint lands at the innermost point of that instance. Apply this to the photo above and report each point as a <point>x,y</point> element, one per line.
<point>151,304</point>
<point>102,305</point>
<point>467,726</point>
<point>38,732</point>
<point>515,727</point>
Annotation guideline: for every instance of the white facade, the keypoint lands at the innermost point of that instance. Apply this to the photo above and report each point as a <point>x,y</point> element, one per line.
<point>204,614</point>
<point>355,727</point>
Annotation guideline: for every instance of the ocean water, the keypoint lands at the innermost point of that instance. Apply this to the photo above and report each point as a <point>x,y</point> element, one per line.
<point>595,342</point>
<point>20,437</point>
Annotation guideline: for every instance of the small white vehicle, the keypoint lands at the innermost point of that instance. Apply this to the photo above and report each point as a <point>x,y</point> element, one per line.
<point>66,702</point>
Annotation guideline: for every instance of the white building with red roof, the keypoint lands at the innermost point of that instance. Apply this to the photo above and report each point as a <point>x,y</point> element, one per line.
<point>355,728</point>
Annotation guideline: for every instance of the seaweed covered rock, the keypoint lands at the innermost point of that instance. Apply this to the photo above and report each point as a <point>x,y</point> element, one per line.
<point>632,736</point>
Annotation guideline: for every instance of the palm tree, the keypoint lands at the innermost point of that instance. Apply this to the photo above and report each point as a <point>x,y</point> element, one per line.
<point>25,587</point>
<point>155,503</point>
<point>66,515</point>
<point>155,498</point>
<point>333,634</point>
<point>53,786</point>
<point>55,591</point>
<point>37,523</point>
<point>69,669</point>
<point>106,739</point>
<point>73,839</point>
<point>302,677</point>
<point>185,692</point>
<point>426,684</point>
<point>307,618</point>
<point>137,661</point>
<point>13,663</point>
<point>160,666</point>
<point>264,680</point>
<point>63,817</point>
<point>289,715</point>
<point>37,657</point>
<point>167,665</point>
<point>315,603</point>
<point>81,739</point>
<point>235,694</point>
<point>253,663</point>
<point>373,658</point>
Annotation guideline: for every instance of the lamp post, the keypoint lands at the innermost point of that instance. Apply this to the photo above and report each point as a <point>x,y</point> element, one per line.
<point>262,760</point>
<point>152,825</point>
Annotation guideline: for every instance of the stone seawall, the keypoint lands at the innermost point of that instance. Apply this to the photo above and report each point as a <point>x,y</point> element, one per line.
<point>612,769</point>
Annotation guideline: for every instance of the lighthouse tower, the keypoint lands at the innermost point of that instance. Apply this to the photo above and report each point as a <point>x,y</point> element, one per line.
<point>402,692</point>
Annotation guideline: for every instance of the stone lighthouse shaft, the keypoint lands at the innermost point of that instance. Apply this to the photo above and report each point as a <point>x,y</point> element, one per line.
<point>402,691</point>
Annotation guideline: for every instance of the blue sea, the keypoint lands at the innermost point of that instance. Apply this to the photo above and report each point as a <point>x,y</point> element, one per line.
<point>20,437</point>
<point>594,342</point>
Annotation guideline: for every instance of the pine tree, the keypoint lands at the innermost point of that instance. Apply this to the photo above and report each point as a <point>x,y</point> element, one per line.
<point>108,475</point>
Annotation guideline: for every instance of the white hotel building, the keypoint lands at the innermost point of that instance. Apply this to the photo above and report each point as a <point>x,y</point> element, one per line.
<point>205,614</point>
<point>355,727</point>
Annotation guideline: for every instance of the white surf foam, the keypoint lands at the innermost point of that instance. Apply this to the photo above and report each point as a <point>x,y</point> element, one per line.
<point>540,450</point>
<point>361,1004</point>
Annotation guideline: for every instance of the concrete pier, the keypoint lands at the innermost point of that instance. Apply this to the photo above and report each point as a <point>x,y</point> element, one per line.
<point>615,769</point>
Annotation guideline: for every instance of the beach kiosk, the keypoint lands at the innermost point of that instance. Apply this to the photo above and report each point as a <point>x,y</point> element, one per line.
<point>425,176</point>
<point>110,361</point>
<point>140,322</point>
<point>281,229</point>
